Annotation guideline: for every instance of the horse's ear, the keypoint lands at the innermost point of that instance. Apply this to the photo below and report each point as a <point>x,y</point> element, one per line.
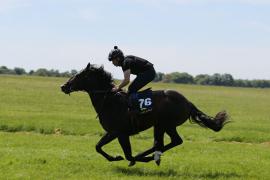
<point>88,66</point>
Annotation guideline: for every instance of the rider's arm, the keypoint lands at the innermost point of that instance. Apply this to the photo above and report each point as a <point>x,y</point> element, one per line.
<point>125,80</point>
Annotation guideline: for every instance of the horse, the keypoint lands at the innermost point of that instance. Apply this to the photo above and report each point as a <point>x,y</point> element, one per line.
<point>169,110</point>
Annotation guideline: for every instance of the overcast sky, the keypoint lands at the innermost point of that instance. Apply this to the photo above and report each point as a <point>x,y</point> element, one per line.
<point>194,36</point>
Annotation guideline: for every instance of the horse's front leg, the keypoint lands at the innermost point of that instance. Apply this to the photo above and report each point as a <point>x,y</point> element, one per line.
<point>107,138</point>
<point>125,144</point>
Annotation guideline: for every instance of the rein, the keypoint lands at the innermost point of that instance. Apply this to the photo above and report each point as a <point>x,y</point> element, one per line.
<point>100,91</point>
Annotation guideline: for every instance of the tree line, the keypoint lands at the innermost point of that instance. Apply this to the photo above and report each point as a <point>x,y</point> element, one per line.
<point>38,72</point>
<point>175,77</point>
<point>205,79</point>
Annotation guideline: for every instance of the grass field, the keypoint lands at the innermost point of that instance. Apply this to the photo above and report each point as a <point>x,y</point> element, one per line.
<point>45,134</point>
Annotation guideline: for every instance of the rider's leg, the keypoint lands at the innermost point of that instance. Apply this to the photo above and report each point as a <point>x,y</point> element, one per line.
<point>140,81</point>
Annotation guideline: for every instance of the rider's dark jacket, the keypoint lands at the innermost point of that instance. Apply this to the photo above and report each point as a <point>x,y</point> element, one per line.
<point>142,68</point>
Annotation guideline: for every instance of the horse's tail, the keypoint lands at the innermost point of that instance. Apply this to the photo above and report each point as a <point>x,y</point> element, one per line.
<point>215,123</point>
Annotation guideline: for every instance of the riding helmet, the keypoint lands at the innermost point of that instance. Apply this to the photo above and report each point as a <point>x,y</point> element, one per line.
<point>115,53</point>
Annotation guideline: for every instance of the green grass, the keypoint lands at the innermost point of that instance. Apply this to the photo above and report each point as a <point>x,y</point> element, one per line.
<point>45,134</point>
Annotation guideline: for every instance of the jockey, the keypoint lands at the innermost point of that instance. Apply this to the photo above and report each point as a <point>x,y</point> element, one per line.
<point>143,69</point>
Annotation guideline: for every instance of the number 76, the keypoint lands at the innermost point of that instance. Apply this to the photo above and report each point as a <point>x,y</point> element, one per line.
<point>145,102</point>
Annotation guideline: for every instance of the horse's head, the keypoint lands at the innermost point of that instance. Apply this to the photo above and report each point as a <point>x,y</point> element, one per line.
<point>89,79</point>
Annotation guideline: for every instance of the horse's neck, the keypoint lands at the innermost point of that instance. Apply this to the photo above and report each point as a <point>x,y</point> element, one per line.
<point>97,100</point>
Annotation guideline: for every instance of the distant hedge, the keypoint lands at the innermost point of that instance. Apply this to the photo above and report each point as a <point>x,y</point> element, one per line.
<point>215,80</point>
<point>38,72</point>
<point>175,77</point>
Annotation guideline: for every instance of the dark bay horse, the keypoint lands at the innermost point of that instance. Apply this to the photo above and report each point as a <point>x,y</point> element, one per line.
<point>170,109</point>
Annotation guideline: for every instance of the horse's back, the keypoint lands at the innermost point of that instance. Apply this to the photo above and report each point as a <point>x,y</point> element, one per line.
<point>172,106</point>
<point>172,95</point>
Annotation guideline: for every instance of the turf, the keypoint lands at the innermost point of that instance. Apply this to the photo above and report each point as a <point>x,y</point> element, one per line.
<point>45,134</point>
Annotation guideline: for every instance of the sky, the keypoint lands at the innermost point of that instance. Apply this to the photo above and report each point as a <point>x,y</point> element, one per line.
<point>193,36</point>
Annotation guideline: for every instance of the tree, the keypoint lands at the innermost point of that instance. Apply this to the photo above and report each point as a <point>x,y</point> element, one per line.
<point>202,79</point>
<point>215,79</point>
<point>167,78</point>
<point>260,83</point>
<point>227,80</point>
<point>41,72</point>
<point>5,70</point>
<point>65,74</point>
<point>31,72</point>
<point>54,73</point>
<point>159,77</point>
<point>239,83</point>
<point>73,72</point>
<point>19,71</point>
<point>183,78</point>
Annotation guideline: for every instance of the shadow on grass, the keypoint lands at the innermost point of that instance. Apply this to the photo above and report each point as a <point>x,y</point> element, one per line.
<point>173,173</point>
<point>142,172</point>
<point>215,175</point>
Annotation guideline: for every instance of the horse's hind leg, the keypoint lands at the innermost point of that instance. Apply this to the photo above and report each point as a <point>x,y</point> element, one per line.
<point>145,153</point>
<point>175,141</point>
<point>157,147</point>
<point>158,143</point>
<point>175,138</point>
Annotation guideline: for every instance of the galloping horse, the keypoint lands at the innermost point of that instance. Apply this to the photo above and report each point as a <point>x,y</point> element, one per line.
<point>170,109</point>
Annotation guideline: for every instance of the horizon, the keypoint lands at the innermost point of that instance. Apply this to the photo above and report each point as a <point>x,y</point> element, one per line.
<point>132,76</point>
<point>197,37</point>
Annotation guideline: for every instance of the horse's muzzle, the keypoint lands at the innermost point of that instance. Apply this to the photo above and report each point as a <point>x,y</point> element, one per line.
<point>66,89</point>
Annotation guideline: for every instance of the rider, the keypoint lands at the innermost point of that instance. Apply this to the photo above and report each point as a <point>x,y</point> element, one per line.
<point>130,64</point>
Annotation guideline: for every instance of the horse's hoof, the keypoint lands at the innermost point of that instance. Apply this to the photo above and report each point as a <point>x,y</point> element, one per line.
<point>158,162</point>
<point>157,157</point>
<point>131,163</point>
<point>118,158</point>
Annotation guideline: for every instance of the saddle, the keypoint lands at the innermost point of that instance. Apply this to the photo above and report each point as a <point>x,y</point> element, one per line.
<point>140,102</point>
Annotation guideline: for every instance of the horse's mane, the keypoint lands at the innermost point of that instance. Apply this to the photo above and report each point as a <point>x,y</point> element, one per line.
<point>106,76</point>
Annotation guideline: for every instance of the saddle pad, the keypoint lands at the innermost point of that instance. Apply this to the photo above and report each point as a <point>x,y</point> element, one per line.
<point>144,101</point>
